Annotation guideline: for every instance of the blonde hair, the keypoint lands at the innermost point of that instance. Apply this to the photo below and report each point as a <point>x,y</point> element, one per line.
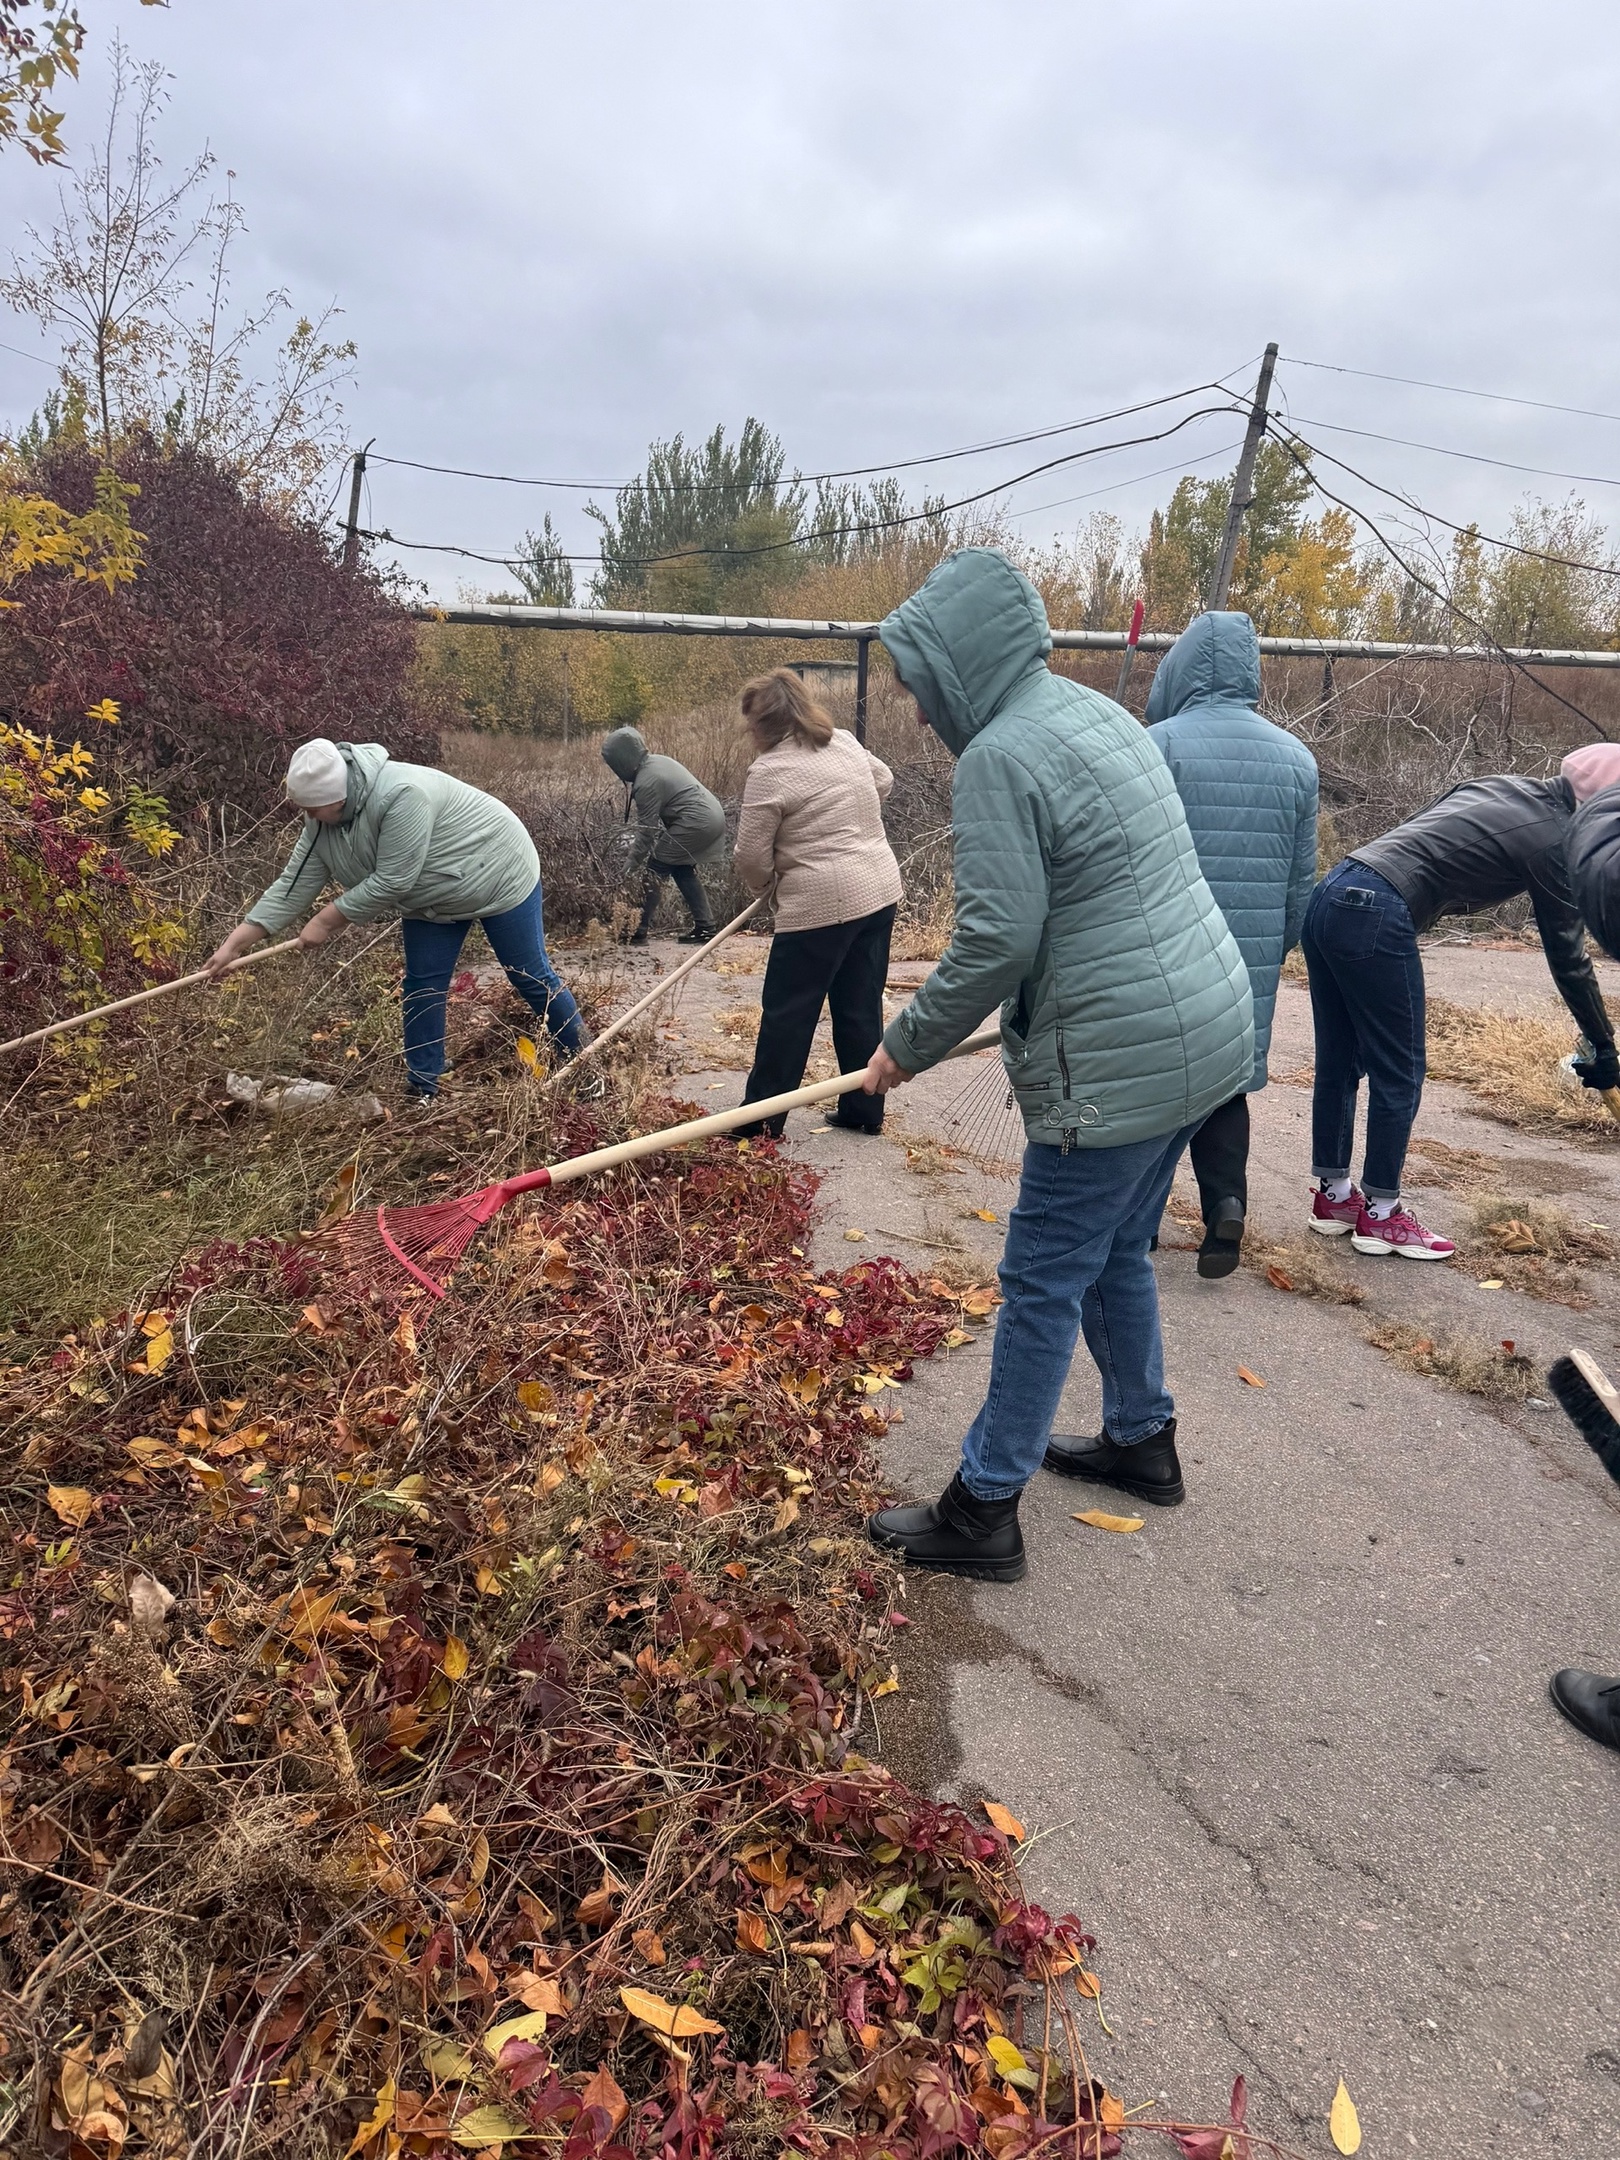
<point>778,705</point>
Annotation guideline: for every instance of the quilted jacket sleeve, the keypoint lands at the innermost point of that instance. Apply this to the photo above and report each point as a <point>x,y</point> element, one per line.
<point>999,821</point>
<point>299,886</point>
<point>754,855</point>
<point>1302,877</point>
<point>881,774</point>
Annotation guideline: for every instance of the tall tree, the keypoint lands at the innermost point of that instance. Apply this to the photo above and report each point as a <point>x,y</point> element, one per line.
<point>700,524</point>
<point>40,42</point>
<point>543,569</point>
<point>114,277</point>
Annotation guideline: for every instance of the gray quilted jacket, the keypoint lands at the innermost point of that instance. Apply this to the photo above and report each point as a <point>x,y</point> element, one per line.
<point>1249,791</point>
<point>1080,908</point>
<point>677,820</point>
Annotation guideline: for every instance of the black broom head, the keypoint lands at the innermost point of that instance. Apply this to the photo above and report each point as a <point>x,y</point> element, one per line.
<point>1591,1402</point>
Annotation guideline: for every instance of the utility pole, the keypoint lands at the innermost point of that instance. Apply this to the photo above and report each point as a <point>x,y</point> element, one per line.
<point>1242,483</point>
<point>351,531</point>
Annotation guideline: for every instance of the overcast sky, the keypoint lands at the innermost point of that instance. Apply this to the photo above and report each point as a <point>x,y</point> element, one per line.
<point>894,228</point>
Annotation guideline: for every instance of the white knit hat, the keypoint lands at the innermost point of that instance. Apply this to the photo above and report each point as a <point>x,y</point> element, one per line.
<point>317,775</point>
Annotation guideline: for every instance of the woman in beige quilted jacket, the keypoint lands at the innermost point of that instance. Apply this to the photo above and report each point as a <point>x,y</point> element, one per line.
<point>811,836</point>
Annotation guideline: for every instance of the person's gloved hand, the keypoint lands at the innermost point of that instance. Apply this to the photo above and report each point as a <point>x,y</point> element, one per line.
<point>1601,1069</point>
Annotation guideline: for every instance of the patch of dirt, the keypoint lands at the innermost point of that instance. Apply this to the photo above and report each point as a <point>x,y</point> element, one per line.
<point>1468,1170</point>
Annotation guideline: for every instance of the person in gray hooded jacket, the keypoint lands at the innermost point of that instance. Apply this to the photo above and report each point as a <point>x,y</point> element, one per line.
<point>678,827</point>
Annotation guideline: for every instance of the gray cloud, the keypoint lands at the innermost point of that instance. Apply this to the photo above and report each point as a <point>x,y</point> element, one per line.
<point>896,227</point>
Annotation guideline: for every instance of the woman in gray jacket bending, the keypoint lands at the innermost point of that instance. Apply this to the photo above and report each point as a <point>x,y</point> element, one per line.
<point>811,835</point>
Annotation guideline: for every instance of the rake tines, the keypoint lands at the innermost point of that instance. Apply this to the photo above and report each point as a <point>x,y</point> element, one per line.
<point>427,1242</point>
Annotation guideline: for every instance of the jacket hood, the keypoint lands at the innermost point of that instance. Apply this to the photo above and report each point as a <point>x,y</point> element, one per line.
<point>365,761</point>
<point>624,752</point>
<point>1215,661</point>
<point>965,639</point>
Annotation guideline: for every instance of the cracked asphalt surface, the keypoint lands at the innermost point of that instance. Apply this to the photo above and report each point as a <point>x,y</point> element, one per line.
<point>1287,1751</point>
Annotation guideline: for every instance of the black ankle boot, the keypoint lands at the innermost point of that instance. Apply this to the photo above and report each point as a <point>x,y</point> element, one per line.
<point>1590,1701</point>
<point>956,1535</point>
<point>699,934</point>
<point>1149,1471</point>
<point>1223,1240</point>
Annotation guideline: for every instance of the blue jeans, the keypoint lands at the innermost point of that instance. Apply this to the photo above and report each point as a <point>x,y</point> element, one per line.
<point>1361,953</point>
<point>518,940</point>
<point>1076,1257</point>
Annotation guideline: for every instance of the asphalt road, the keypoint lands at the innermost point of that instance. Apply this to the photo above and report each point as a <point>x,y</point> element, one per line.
<point>1287,1751</point>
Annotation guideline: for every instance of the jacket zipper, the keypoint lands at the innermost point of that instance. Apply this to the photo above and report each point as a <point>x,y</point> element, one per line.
<point>1063,1067</point>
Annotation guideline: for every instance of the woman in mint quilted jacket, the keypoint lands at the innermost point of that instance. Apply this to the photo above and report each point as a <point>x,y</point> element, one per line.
<point>1125,1020</point>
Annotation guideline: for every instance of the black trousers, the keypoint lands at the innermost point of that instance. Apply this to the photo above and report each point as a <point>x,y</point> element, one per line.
<point>1219,1152</point>
<point>687,883</point>
<point>844,966</point>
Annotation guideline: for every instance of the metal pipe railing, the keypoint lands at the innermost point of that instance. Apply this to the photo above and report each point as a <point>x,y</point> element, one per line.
<point>635,622</point>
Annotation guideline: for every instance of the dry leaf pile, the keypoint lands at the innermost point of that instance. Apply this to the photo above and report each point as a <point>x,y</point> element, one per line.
<point>441,1736</point>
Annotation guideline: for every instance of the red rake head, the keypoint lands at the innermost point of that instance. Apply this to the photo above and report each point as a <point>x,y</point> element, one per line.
<point>426,1242</point>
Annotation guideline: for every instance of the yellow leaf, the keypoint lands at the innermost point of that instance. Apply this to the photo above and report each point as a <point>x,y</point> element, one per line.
<point>1099,1519</point>
<point>160,1349</point>
<point>865,1946</point>
<point>1004,2055</point>
<point>1005,1820</point>
<point>1491,1283</point>
<point>651,1946</point>
<point>752,1933</point>
<point>446,2061</point>
<point>456,1658</point>
<point>891,1686</point>
<point>1344,2124</point>
<point>489,1583</point>
<point>854,1237</point>
<point>71,1504</point>
<point>528,1054</point>
<point>534,1395</point>
<point>491,2125</point>
<point>530,2026</point>
<point>1249,1379</point>
<point>985,1214</point>
<point>155,1454</point>
<point>676,2020</point>
<point>379,2119</point>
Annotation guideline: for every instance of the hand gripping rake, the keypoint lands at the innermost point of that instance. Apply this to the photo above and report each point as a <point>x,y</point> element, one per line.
<point>427,1242</point>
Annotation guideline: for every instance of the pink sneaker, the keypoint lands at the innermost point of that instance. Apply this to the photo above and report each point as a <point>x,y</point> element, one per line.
<point>1335,1218</point>
<point>1400,1233</point>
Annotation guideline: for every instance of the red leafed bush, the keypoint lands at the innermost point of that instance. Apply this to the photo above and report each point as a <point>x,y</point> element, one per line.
<point>239,638</point>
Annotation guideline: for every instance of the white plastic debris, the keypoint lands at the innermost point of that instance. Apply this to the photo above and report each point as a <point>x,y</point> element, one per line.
<point>295,1098</point>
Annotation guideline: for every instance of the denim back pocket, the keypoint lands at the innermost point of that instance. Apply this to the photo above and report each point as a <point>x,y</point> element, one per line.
<point>1354,920</point>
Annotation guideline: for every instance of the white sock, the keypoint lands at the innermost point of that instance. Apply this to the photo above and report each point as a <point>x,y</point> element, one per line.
<point>1382,1210</point>
<point>1338,1188</point>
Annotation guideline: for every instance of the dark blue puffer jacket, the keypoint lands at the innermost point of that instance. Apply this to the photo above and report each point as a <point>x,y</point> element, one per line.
<point>1249,791</point>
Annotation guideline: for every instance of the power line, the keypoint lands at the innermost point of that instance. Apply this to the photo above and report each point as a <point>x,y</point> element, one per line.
<point>1413,382</point>
<point>1474,457</point>
<point>834,532</point>
<point>848,472</point>
<point>1407,502</point>
<point>1417,577</point>
<point>1134,480</point>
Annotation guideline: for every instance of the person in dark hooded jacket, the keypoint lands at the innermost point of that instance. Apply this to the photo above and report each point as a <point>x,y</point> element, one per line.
<point>1482,842</point>
<point>678,828</point>
<point>1249,789</point>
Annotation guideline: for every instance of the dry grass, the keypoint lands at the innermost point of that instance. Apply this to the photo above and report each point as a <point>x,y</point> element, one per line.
<point>1497,1371</point>
<point>1532,1245</point>
<point>1432,1163</point>
<point>1510,1060</point>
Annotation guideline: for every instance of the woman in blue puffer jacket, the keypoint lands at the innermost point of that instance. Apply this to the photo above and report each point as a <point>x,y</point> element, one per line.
<point>1249,791</point>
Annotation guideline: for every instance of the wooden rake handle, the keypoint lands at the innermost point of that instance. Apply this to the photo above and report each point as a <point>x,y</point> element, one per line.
<point>1611,1102</point>
<point>141,997</point>
<point>664,982</point>
<point>703,1128</point>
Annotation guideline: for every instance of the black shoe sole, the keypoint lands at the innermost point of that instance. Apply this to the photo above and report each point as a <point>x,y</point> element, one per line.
<point>992,1571</point>
<point>1154,1495</point>
<point>1221,1259</point>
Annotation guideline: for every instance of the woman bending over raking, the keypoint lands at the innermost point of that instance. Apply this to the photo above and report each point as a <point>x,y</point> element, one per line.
<point>411,841</point>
